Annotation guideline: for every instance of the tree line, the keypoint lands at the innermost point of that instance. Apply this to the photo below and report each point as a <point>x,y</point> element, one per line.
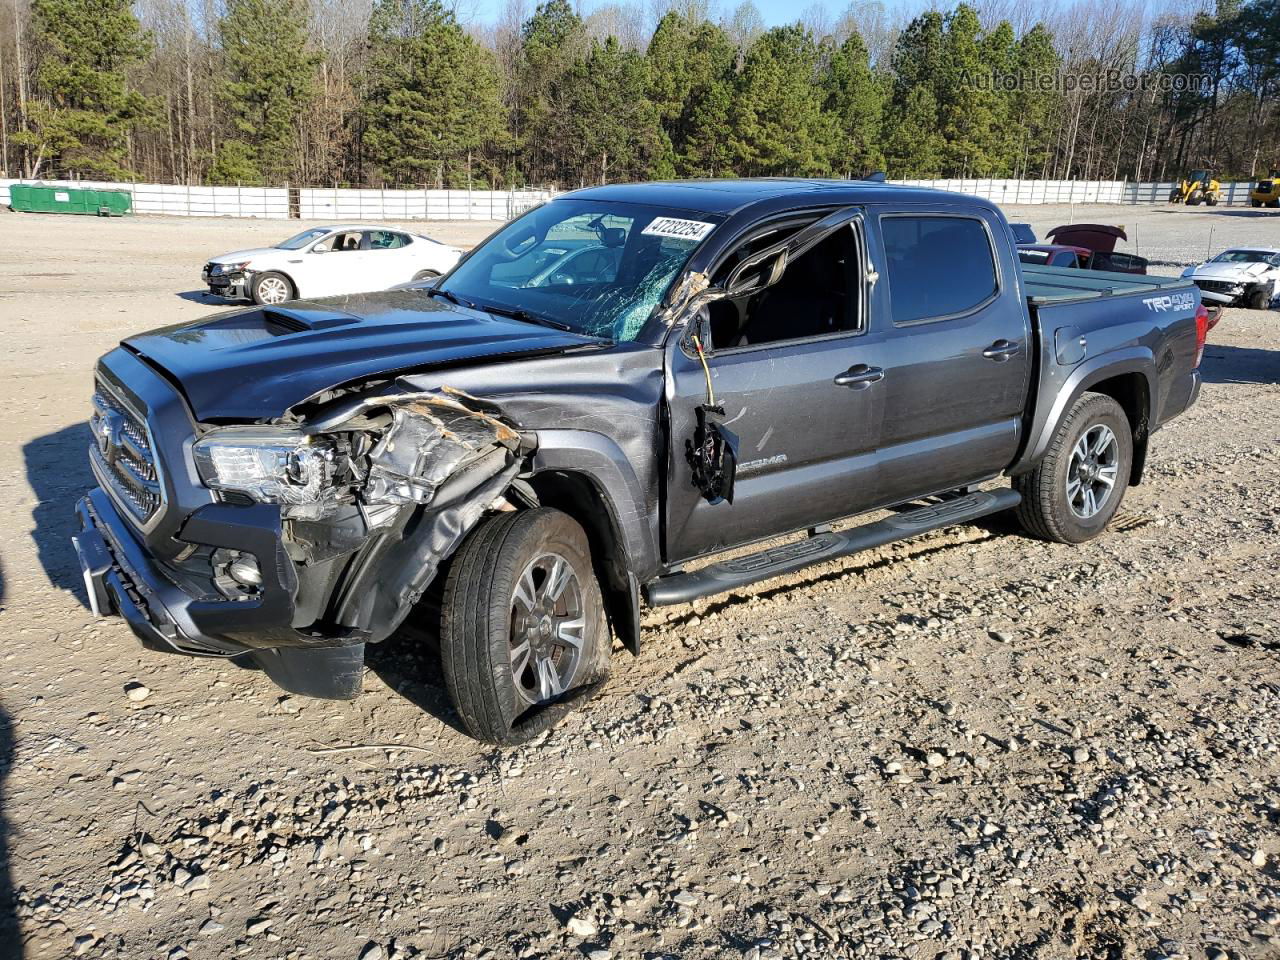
<point>403,92</point>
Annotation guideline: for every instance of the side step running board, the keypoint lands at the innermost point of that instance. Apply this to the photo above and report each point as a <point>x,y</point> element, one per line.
<point>740,571</point>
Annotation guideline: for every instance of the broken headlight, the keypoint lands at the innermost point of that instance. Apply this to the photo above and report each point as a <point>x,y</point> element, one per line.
<point>271,465</point>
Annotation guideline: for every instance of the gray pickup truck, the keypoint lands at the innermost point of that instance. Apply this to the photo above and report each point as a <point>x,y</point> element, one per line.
<point>595,406</point>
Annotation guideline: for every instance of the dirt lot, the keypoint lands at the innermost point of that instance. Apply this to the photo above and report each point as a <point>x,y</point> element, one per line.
<point>974,745</point>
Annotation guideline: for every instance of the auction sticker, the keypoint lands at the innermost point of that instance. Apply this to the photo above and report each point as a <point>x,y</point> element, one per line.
<point>677,228</point>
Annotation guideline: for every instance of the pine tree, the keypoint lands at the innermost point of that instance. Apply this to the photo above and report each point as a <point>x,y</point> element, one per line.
<point>913,142</point>
<point>82,110</point>
<point>855,100</point>
<point>604,125</point>
<point>434,104</point>
<point>779,127</point>
<point>554,39</point>
<point>271,77</point>
<point>1033,108</point>
<point>691,84</point>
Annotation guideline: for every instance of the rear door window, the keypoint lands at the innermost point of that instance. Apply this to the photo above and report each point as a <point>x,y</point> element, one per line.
<point>385,240</point>
<point>939,266</point>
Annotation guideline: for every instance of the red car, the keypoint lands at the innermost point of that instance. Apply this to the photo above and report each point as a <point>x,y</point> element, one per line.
<point>1054,255</point>
<point>1088,246</point>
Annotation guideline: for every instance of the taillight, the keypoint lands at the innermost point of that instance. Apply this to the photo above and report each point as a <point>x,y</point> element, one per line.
<point>1202,331</point>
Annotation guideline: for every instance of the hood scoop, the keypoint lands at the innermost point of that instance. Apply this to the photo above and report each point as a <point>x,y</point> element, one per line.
<point>282,321</point>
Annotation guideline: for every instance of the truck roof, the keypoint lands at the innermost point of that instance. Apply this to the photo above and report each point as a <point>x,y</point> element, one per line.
<point>730,196</point>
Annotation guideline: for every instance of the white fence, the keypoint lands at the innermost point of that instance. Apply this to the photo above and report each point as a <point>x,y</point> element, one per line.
<point>341,204</point>
<point>273,203</point>
<point>1075,191</point>
<point>177,200</point>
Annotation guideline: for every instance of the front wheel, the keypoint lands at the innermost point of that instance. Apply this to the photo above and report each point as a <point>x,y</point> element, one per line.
<point>1211,200</point>
<point>425,275</point>
<point>1258,299</point>
<point>271,288</point>
<point>1073,493</point>
<point>522,632</point>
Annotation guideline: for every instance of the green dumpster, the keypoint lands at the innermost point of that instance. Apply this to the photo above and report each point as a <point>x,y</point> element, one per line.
<point>38,198</point>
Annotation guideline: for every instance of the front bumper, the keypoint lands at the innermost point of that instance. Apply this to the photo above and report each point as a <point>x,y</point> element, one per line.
<point>232,286</point>
<point>122,577</point>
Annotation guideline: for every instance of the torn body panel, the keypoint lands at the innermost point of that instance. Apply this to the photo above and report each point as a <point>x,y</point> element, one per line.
<point>432,464</point>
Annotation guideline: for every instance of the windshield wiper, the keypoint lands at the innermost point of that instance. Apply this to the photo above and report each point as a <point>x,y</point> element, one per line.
<point>524,316</point>
<point>451,297</point>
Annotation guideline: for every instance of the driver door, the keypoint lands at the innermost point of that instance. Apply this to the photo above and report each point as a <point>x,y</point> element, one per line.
<point>795,371</point>
<point>332,266</point>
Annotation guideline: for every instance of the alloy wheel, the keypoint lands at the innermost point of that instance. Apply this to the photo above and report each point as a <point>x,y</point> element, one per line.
<point>273,290</point>
<point>1092,471</point>
<point>547,627</point>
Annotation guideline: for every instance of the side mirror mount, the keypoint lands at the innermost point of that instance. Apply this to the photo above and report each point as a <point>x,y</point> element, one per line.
<point>697,333</point>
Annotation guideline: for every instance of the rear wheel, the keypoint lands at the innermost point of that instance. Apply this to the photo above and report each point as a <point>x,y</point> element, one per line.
<point>1194,199</point>
<point>1076,489</point>
<point>1255,203</point>
<point>271,288</point>
<point>1274,203</point>
<point>523,634</point>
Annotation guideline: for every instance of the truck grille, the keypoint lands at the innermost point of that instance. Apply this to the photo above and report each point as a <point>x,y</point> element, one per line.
<point>122,455</point>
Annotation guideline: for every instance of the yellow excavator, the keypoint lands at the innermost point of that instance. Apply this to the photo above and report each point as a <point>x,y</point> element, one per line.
<point>1196,188</point>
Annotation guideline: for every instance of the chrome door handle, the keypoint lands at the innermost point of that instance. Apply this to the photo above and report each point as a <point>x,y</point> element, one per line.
<point>859,376</point>
<point>1001,350</point>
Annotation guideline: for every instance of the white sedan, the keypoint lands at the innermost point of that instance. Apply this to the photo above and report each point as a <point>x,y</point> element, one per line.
<point>1241,276</point>
<point>327,262</point>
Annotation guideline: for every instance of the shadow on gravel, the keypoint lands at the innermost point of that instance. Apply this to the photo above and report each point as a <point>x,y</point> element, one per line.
<point>409,663</point>
<point>199,296</point>
<point>10,934</point>
<point>1224,364</point>
<point>58,471</point>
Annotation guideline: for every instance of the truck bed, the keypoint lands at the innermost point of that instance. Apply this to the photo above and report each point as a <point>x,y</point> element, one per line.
<point>1052,285</point>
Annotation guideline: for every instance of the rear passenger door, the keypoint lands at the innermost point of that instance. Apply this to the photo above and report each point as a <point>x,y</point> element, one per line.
<point>957,348</point>
<point>386,260</point>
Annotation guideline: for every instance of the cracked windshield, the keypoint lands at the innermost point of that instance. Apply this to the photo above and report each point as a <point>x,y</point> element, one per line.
<point>593,267</point>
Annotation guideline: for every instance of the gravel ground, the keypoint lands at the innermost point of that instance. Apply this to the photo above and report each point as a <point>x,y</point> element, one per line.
<point>971,746</point>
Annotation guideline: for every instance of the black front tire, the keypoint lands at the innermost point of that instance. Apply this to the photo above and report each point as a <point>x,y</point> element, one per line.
<point>424,275</point>
<point>480,624</point>
<point>1046,511</point>
<point>1257,299</point>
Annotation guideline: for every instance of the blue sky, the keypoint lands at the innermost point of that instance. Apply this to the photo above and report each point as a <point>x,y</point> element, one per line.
<point>773,12</point>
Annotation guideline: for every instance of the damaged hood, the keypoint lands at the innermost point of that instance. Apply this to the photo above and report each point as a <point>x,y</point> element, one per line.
<point>1237,272</point>
<point>240,256</point>
<point>255,364</point>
